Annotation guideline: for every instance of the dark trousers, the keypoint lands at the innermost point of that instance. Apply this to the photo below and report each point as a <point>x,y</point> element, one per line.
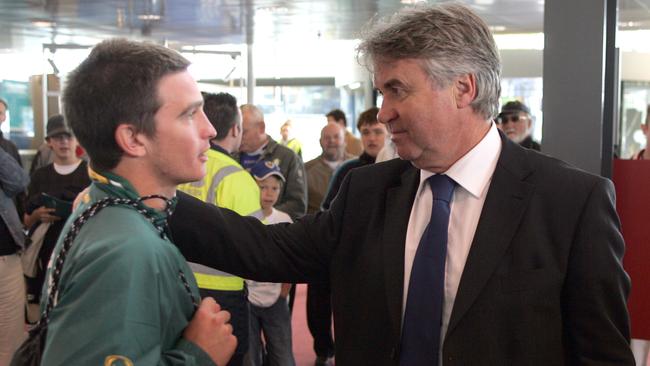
<point>235,302</point>
<point>319,318</point>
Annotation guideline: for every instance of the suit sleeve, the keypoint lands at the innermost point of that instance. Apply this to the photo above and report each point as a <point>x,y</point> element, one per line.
<point>294,200</point>
<point>221,239</point>
<point>596,286</point>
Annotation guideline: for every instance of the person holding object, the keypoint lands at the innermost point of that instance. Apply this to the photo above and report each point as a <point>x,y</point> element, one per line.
<point>51,190</point>
<point>470,249</point>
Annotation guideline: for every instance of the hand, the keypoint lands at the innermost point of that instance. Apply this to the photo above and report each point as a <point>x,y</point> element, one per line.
<point>43,214</point>
<point>284,292</point>
<point>209,329</point>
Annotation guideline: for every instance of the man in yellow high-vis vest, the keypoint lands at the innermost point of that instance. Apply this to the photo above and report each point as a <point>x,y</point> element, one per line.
<point>226,184</point>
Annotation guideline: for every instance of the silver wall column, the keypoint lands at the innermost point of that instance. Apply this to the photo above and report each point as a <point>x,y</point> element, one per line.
<point>250,75</point>
<point>575,47</point>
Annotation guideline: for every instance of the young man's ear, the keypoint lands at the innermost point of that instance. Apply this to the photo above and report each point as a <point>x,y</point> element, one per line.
<point>236,130</point>
<point>464,90</point>
<point>130,141</point>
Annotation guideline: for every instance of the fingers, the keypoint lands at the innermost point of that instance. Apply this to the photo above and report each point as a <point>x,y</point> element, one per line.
<point>45,214</point>
<point>222,317</point>
<point>210,305</point>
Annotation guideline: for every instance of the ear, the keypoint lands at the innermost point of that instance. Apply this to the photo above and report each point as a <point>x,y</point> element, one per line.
<point>464,90</point>
<point>235,130</point>
<point>131,142</point>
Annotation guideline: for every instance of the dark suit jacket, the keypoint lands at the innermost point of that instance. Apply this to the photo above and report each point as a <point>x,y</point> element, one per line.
<point>543,283</point>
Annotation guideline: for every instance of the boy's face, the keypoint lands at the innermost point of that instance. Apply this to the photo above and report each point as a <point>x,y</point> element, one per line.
<point>269,191</point>
<point>177,151</point>
<point>373,137</point>
<point>64,147</point>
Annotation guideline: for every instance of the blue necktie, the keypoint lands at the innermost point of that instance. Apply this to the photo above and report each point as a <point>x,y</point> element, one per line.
<point>423,314</point>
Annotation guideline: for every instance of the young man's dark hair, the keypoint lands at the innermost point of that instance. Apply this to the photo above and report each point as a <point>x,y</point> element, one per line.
<point>338,116</point>
<point>5,103</point>
<point>116,84</point>
<point>368,117</point>
<point>222,112</point>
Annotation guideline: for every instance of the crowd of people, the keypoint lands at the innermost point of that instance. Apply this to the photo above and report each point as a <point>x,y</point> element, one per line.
<point>440,236</point>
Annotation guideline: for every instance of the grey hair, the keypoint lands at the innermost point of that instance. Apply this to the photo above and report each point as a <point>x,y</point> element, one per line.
<point>449,39</point>
<point>257,113</point>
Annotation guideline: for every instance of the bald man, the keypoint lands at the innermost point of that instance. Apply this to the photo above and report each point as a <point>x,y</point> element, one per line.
<point>319,174</point>
<point>256,145</point>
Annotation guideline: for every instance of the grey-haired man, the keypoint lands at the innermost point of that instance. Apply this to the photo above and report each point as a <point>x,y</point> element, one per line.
<point>529,269</point>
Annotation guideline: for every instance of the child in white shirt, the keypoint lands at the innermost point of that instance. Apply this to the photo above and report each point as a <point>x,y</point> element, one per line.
<point>269,311</point>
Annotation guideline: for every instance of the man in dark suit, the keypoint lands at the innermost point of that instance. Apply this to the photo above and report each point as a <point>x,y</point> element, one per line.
<point>531,271</point>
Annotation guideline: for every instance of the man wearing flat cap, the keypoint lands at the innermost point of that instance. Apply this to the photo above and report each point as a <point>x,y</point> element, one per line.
<point>516,122</point>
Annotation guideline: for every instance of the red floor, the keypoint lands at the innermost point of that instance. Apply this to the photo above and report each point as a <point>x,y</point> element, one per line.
<point>303,343</point>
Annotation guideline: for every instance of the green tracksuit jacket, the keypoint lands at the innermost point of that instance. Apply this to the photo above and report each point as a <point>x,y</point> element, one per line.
<point>121,296</point>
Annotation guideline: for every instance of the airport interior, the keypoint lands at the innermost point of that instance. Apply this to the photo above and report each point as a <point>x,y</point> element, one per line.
<point>581,67</point>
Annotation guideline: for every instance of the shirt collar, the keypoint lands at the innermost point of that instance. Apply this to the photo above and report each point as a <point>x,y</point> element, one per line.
<point>119,187</point>
<point>474,170</point>
<point>218,148</point>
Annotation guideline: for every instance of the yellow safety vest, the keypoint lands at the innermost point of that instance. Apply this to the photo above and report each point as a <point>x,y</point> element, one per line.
<point>225,184</point>
<point>295,145</point>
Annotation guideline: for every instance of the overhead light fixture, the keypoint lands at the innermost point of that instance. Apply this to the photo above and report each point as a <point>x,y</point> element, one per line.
<point>274,9</point>
<point>629,24</point>
<point>411,2</point>
<point>149,17</point>
<point>43,23</point>
<point>355,85</point>
<point>497,28</point>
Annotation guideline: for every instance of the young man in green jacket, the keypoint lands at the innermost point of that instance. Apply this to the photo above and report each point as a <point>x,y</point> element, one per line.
<point>126,295</point>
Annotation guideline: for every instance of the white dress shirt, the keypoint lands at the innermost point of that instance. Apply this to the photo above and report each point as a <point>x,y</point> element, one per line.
<point>472,173</point>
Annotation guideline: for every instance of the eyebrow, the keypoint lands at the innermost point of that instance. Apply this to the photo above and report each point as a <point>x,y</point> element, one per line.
<point>198,103</point>
<point>393,83</point>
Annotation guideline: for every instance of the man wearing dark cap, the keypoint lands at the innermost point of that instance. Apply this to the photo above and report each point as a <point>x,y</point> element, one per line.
<point>516,121</point>
<point>62,180</point>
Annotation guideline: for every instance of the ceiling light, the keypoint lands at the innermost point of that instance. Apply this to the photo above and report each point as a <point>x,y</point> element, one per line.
<point>497,28</point>
<point>43,23</point>
<point>149,17</point>
<point>355,85</point>
<point>274,9</point>
<point>410,2</point>
<point>629,24</point>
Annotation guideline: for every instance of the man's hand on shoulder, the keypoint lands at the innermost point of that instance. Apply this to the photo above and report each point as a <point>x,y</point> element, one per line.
<point>209,329</point>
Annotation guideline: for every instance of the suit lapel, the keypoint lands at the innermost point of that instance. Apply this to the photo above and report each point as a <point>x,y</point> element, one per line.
<point>399,200</point>
<point>504,206</point>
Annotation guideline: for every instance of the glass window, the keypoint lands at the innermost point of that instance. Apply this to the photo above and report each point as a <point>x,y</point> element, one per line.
<point>635,101</point>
